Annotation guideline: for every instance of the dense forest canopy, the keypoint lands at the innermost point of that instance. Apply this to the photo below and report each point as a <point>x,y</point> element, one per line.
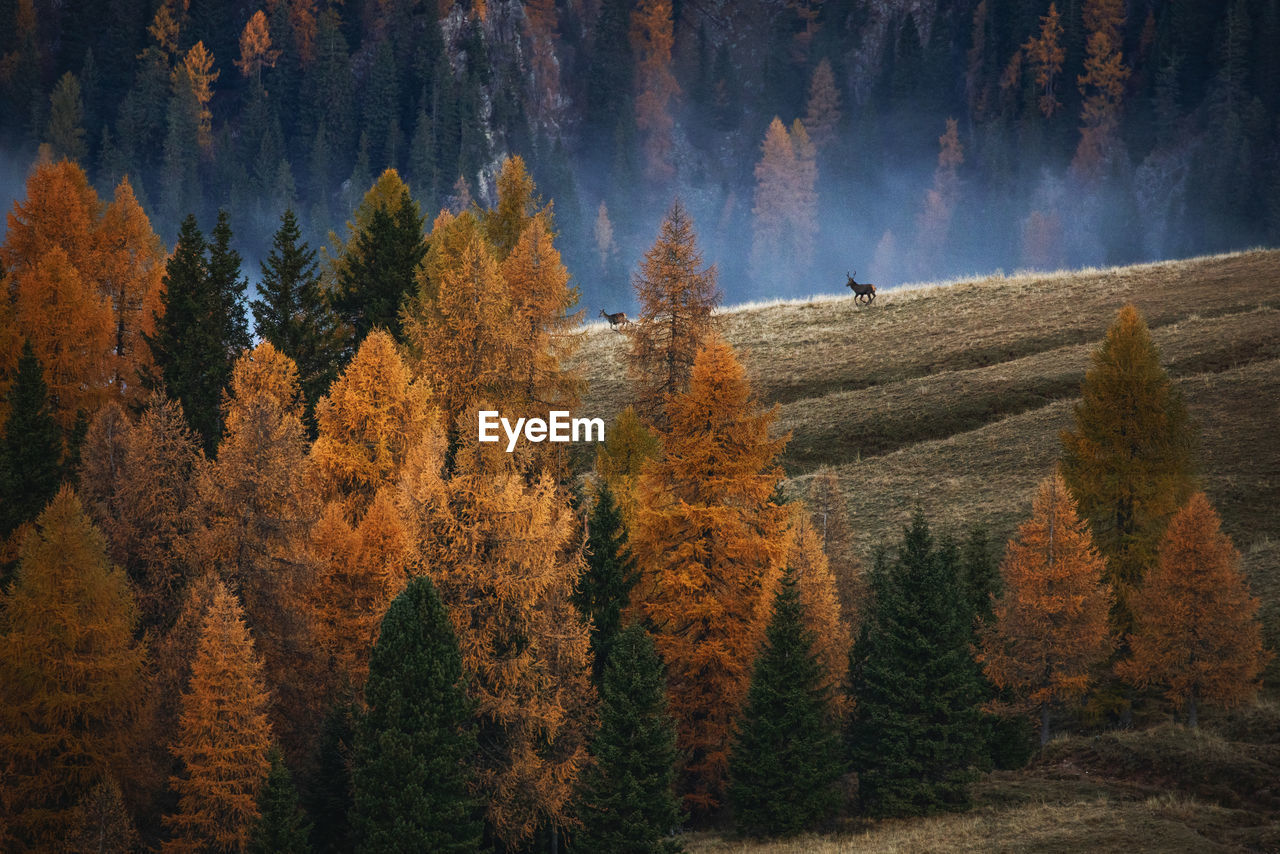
<point>1083,132</point>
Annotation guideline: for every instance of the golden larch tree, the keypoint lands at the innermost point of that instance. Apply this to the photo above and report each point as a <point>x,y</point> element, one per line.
<point>829,515</point>
<point>652,38</point>
<point>130,274</point>
<point>804,194</point>
<point>252,513</point>
<point>502,552</point>
<point>627,446</point>
<point>1050,626</point>
<point>223,736</point>
<point>822,613</point>
<point>1128,460</point>
<point>255,47</point>
<point>460,323</point>
<point>1046,55</point>
<point>1102,85</point>
<point>1196,625</point>
<point>822,109</point>
<point>516,207</point>
<point>677,295</point>
<point>373,414</point>
<point>774,204</point>
<point>933,225</point>
<point>544,336</point>
<point>60,209</point>
<point>710,545</point>
<point>71,675</point>
<point>68,322</point>
<point>357,571</point>
<point>200,76</point>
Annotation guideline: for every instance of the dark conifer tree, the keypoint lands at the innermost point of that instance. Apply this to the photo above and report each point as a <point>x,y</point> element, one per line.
<point>379,270</point>
<point>785,762</point>
<point>980,573</point>
<point>292,313</point>
<point>327,789</point>
<point>628,801</point>
<point>914,736</point>
<point>195,343</point>
<point>605,588</point>
<point>282,828</point>
<point>30,458</point>
<point>414,744</point>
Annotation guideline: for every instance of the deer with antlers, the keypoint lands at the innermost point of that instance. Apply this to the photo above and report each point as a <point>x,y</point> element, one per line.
<point>615,320</point>
<point>864,293</point>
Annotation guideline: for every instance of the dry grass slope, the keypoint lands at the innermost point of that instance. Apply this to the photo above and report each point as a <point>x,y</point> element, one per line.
<point>952,398</point>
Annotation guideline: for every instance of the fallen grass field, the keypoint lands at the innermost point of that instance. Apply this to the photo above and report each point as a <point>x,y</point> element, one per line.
<point>952,398</point>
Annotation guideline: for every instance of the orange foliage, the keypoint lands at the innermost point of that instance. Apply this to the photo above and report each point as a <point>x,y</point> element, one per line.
<point>358,571</point>
<point>70,675</point>
<point>302,16</point>
<point>786,203</point>
<point>1197,631</point>
<point>1050,628</point>
<point>933,225</point>
<point>1102,86</point>
<point>501,552</point>
<point>822,613</point>
<point>200,76</point>
<point>223,736</point>
<point>373,414</point>
<point>822,110</point>
<point>628,445</point>
<point>255,47</point>
<point>676,295</point>
<point>830,519</point>
<point>652,38</point>
<point>710,545</point>
<point>1047,54</point>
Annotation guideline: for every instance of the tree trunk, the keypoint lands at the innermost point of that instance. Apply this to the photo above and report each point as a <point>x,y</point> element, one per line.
<point>1044,724</point>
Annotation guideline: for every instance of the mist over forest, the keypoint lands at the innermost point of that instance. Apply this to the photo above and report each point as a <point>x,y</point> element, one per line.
<point>1160,142</point>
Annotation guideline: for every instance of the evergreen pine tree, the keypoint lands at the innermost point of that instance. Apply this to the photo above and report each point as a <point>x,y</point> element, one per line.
<point>628,800</point>
<point>291,311</point>
<point>281,828</point>
<point>30,456</point>
<point>914,733</point>
<point>227,286</point>
<point>377,270</point>
<point>414,744</point>
<point>605,588</point>
<point>786,759</point>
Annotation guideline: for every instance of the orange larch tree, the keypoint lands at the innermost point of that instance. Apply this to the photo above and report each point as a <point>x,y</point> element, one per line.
<point>627,446</point>
<point>223,736</point>
<point>200,76</point>
<point>1102,86</point>
<point>822,612</point>
<point>1046,55</point>
<point>515,209</point>
<point>710,544</point>
<point>1128,459</point>
<point>251,516</point>
<point>822,109</point>
<point>501,551</point>
<point>255,48</point>
<point>677,295</point>
<point>71,675</point>
<point>130,273</point>
<point>652,38</point>
<point>829,515</point>
<point>774,204</point>
<point>933,225</point>
<point>1197,633</point>
<point>373,414</point>
<point>1050,629</point>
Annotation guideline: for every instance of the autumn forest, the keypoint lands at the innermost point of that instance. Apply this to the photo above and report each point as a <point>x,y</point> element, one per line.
<point>263,588</point>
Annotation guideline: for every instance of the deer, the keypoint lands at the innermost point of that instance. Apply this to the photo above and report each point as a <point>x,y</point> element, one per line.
<point>615,320</point>
<point>863,293</point>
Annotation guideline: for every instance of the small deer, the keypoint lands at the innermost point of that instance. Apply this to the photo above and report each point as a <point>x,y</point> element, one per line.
<point>615,320</point>
<point>863,293</point>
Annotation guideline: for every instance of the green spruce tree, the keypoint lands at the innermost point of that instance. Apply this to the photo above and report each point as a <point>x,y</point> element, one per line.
<point>30,457</point>
<point>202,329</point>
<point>414,744</point>
<point>282,828</point>
<point>914,736</point>
<point>628,803</point>
<point>378,271</point>
<point>291,311</point>
<point>785,762</point>
<point>605,588</point>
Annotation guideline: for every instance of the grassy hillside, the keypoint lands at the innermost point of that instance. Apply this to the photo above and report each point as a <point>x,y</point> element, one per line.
<point>952,397</point>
